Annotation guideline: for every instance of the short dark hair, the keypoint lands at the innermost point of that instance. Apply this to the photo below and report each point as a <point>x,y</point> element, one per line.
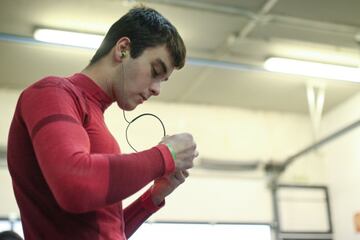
<point>9,235</point>
<point>145,27</point>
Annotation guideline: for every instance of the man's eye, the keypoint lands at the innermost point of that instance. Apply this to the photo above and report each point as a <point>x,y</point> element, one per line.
<point>154,73</point>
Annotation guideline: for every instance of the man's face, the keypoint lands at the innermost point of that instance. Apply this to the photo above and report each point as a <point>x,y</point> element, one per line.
<point>140,77</point>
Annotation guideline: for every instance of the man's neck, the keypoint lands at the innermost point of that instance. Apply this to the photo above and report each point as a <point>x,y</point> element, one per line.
<point>99,74</point>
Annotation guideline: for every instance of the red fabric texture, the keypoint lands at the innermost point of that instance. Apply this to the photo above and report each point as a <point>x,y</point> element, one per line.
<point>168,158</point>
<point>68,173</point>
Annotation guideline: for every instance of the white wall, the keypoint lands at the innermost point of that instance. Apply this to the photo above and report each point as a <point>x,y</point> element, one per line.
<point>221,133</point>
<point>7,107</point>
<point>8,205</point>
<point>343,168</point>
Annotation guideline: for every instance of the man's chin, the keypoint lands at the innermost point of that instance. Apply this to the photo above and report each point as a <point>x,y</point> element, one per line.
<point>127,107</point>
<point>130,108</point>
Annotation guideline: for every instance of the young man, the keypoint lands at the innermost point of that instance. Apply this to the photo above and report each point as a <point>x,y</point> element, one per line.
<point>68,173</point>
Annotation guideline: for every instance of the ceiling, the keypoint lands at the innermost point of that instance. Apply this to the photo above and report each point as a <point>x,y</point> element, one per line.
<point>227,41</point>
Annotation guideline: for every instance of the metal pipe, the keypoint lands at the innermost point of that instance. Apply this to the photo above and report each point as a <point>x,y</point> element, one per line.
<point>250,26</point>
<point>320,143</point>
<point>210,7</point>
<point>276,220</point>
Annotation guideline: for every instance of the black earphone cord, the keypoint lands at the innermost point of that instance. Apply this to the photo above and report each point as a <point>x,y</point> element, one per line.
<point>141,115</point>
<point>136,118</point>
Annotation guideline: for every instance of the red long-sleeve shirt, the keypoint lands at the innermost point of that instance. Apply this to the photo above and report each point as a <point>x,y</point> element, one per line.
<point>68,174</point>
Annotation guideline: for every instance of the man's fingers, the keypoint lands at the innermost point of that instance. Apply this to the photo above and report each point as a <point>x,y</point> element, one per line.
<point>179,176</point>
<point>164,138</point>
<point>185,173</point>
<point>184,148</point>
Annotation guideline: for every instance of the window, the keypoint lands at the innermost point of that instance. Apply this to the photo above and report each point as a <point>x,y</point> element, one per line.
<point>196,231</point>
<point>5,225</point>
<point>181,231</point>
<point>15,225</point>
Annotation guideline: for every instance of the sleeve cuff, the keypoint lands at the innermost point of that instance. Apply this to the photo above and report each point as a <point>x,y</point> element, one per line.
<point>148,204</point>
<point>167,157</point>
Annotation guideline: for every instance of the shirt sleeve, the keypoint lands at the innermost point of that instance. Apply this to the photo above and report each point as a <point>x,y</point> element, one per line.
<point>81,181</point>
<point>140,210</point>
<point>168,158</point>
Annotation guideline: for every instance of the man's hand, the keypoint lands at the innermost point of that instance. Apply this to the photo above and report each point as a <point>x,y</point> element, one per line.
<point>185,149</point>
<point>165,185</point>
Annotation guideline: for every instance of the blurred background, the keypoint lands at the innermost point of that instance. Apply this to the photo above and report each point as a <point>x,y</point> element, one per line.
<point>270,92</point>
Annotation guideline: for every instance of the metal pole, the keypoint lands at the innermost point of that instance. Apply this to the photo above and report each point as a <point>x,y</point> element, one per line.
<point>318,144</point>
<point>275,224</point>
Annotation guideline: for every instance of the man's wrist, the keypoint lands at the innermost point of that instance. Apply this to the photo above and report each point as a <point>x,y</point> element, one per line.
<point>172,151</point>
<point>157,200</point>
<point>149,203</point>
<point>169,162</point>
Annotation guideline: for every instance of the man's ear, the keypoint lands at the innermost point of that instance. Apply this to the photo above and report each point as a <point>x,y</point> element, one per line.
<point>121,49</point>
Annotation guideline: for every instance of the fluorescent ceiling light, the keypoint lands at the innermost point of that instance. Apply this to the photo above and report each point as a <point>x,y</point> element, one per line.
<point>357,37</point>
<point>76,39</point>
<point>312,69</point>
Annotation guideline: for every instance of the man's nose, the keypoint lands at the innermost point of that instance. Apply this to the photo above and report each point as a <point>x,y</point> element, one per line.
<point>155,88</point>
